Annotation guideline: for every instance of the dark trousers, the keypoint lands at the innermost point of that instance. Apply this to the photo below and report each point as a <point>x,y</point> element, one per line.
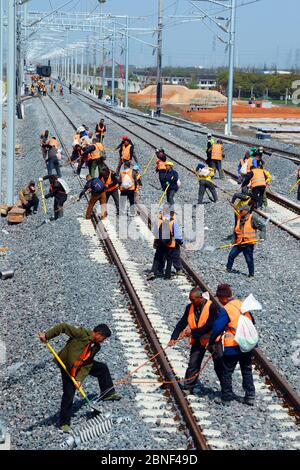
<point>34,203</point>
<point>58,206</point>
<point>115,195</point>
<point>173,259</point>
<point>119,165</point>
<point>258,196</point>
<point>127,195</point>
<point>217,165</point>
<point>229,364</point>
<point>53,165</point>
<point>195,361</point>
<point>206,186</point>
<point>298,194</point>
<point>99,370</point>
<point>161,175</point>
<point>247,251</point>
<point>170,197</point>
<point>159,261</point>
<point>93,165</point>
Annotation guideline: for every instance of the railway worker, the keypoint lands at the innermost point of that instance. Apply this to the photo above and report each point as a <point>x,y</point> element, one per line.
<point>244,166</point>
<point>100,130</point>
<point>226,322</point>
<point>205,174</point>
<point>244,199</point>
<point>61,90</point>
<point>210,143</point>
<point>44,141</point>
<point>97,189</point>
<point>245,234</point>
<point>128,185</point>
<point>52,160</point>
<point>51,88</point>
<point>217,155</point>
<point>112,186</point>
<point>171,183</point>
<point>256,179</point>
<point>95,157</point>
<point>167,243</point>
<point>197,323</point>
<point>161,165</point>
<point>78,356</point>
<point>59,191</point>
<point>126,152</point>
<point>29,198</point>
<point>32,90</point>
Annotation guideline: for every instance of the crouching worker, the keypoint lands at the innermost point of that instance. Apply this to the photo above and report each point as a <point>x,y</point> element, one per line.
<point>59,191</point>
<point>29,198</point>
<point>97,189</point>
<point>199,317</point>
<point>78,357</point>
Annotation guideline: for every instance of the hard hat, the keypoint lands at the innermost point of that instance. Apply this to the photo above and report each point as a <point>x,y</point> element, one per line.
<point>170,163</point>
<point>125,137</point>
<point>80,129</point>
<point>136,167</point>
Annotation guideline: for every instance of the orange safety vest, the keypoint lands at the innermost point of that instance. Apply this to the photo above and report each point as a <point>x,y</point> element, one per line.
<point>249,163</point>
<point>53,143</point>
<point>258,178</point>
<point>172,242</point>
<point>217,152</point>
<point>126,153</point>
<point>97,152</point>
<point>233,309</point>
<point>83,357</point>
<point>160,165</point>
<point>100,130</point>
<point>138,182</point>
<point>130,174</point>
<point>247,234</point>
<point>299,176</point>
<point>108,182</point>
<point>204,340</point>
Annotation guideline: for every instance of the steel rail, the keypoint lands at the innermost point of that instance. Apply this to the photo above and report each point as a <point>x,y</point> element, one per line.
<point>279,382</point>
<point>164,365</point>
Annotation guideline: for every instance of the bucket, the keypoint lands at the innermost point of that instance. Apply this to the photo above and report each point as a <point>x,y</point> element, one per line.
<point>7,274</point>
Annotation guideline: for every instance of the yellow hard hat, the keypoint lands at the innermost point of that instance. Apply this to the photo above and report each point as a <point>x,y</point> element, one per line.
<point>169,163</point>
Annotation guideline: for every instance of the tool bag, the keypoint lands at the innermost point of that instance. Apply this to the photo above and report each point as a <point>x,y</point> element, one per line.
<point>97,185</point>
<point>246,335</point>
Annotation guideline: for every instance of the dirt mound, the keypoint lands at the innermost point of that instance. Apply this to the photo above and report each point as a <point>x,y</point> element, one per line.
<point>181,95</point>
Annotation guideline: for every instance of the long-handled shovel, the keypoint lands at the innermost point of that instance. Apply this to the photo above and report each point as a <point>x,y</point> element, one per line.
<point>295,185</point>
<point>80,389</point>
<point>148,165</point>
<point>164,193</point>
<point>44,204</point>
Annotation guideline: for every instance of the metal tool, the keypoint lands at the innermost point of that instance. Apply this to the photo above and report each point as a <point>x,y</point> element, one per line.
<point>44,203</point>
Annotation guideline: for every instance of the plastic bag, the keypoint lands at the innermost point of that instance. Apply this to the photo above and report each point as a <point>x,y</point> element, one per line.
<point>244,169</point>
<point>178,184</point>
<point>58,156</point>
<point>246,335</point>
<point>64,185</point>
<point>126,182</point>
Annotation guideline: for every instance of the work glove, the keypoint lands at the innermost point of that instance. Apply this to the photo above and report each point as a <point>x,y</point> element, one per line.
<point>40,180</point>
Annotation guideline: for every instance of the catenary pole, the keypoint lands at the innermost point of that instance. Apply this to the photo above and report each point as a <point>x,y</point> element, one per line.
<point>127,62</point>
<point>11,100</point>
<point>228,127</point>
<point>1,90</point>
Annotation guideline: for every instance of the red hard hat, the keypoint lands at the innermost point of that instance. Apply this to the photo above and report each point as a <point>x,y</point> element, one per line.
<point>125,137</point>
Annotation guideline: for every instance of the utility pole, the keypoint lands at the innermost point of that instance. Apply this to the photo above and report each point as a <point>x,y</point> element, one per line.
<point>286,95</point>
<point>81,72</point>
<point>228,127</point>
<point>11,101</point>
<point>1,90</point>
<point>159,58</point>
<point>240,92</point>
<point>103,52</point>
<point>76,66</point>
<point>113,66</point>
<point>127,62</point>
<point>104,72</point>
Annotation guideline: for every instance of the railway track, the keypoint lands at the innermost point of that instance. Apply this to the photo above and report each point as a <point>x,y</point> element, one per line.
<point>170,363</point>
<point>281,217</point>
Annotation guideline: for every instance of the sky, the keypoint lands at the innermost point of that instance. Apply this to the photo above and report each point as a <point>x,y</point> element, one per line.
<point>267,31</point>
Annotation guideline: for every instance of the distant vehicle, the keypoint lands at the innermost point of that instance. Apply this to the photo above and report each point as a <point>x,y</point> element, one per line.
<point>43,70</point>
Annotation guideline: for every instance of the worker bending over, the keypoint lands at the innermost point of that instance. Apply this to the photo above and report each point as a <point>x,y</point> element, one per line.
<point>100,130</point>
<point>96,155</point>
<point>256,180</point>
<point>97,189</point>
<point>199,317</point>
<point>29,198</point>
<point>226,323</point>
<point>59,191</point>
<point>78,356</point>
<point>161,159</point>
<point>245,234</point>
<point>112,186</point>
<point>205,174</point>
<point>128,184</point>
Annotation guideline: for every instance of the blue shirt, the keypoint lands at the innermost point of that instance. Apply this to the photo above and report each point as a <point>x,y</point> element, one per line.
<point>172,178</point>
<point>176,230</point>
